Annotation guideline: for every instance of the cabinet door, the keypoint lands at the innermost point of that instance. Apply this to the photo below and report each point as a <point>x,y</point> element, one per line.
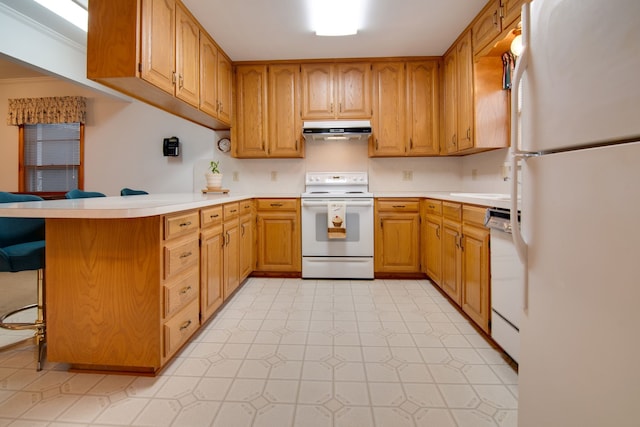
<point>208,75</point>
<point>475,282</point>
<point>158,40</point>
<point>397,243</point>
<point>464,100</point>
<point>317,91</point>
<point>225,85</point>
<point>354,90</point>
<point>285,134</point>
<point>487,26</point>
<point>433,246</point>
<point>511,11</point>
<point>388,121</point>
<point>450,143</point>
<point>452,260</point>
<point>211,272</point>
<point>231,257</point>
<point>422,108</point>
<point>251,120</point>
<point>246,246</point>
<point>187,58</point>
<point>278,242</point>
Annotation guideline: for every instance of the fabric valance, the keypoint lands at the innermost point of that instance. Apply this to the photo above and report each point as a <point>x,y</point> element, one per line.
<point>50,110</point>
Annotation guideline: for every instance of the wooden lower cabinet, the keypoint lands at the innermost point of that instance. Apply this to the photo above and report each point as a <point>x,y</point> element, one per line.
<point>278,236</point>
<point>451,259</point>
<point>247,239</point>
<point>397,236</point>
<point>432,239</point>
<point>211,261</point>
<point>475,267</point>
<point>231,249</point>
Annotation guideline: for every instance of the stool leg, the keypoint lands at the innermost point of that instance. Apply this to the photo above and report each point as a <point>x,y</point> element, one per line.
<point>40,336</point>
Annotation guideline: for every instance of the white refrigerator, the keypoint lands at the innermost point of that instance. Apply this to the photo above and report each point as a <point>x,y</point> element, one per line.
<point>575,133</point>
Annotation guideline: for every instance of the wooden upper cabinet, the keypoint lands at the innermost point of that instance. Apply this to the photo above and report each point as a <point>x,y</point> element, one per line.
<point>216,80</point>
<point>208,75</point>
<point>285,133</point>
<point>487,26</point>
<point>450,142</point>
<point>150,50</point>
<point>354,90</point>
<point>389,103</point>
<point>335,91</point>
<point>250,125</point>
<point>187,57</point>
<point>458,97</point>
<point>423,105</point>
<point>511,11</point>
<point>158,40</point>
<point>225,88</point>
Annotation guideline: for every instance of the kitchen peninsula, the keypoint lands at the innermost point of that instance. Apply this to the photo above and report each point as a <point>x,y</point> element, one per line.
<point>123,275</point>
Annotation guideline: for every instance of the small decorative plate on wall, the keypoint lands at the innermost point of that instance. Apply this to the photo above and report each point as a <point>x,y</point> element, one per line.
<point>224,145</point>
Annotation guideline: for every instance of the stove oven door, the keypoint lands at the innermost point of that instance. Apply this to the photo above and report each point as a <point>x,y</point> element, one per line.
<point>359,225</point>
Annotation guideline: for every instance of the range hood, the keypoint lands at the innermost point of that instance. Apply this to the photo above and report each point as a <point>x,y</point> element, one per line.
<point>341,130</point>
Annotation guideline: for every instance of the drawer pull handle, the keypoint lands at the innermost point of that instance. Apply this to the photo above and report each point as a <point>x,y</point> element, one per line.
<point>438,232</point>
<point>233,210</point>
<point>185,224</point>
<point>214,216</point>
<point>185,325</point>
<point>185,290</point>
<point>432,207</point>
<point>276,205</point>
<point>185,255</point>
<point>399,206</point>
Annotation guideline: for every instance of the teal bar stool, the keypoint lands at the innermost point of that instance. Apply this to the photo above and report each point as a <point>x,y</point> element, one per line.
<point>129,192</point>
<point>22,247</point>
<point>79,194</point>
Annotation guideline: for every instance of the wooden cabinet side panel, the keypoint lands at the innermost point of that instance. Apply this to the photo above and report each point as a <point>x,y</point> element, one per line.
<point>103,291</point>
<point>158,40</point>
<point>112,39</point>
<point>450,142</point>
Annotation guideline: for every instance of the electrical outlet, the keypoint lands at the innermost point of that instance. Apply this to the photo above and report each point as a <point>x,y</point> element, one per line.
<point>407,175</point>
<point>505,171</point>
<point>236,176</point>
<point>274,176</point>
<point>474,174</point>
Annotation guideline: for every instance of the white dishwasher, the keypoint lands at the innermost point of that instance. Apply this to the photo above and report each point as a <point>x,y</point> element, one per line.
<point>507,283</point>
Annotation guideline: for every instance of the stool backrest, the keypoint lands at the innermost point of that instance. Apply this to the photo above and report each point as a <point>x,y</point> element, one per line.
<point>79,194</point>
<point>19,230</point>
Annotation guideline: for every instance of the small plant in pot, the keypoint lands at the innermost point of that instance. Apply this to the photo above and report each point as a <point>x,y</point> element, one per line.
<point>214,176</point>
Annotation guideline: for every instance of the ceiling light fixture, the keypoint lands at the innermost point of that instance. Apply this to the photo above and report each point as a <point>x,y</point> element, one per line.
<point>69,10</point>
<point>336,17</point>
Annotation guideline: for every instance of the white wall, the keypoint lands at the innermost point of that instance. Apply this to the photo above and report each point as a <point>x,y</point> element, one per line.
<point>482,172</point>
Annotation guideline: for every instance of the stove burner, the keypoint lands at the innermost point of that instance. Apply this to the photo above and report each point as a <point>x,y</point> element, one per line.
<point>319,192</point>
<point>355,192</point>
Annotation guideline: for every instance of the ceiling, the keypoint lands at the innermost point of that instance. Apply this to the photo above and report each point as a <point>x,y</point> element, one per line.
<point>280,29</point>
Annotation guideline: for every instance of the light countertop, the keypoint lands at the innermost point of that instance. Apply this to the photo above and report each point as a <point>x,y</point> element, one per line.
<point>160,204</point>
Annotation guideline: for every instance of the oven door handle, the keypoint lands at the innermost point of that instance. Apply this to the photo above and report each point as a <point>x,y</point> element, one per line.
<point>318,203</point>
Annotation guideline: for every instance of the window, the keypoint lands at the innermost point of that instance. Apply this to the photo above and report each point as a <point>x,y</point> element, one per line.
<point>51,157</point>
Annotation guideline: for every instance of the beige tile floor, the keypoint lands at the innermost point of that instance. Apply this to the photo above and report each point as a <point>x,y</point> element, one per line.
<point>292,352</point>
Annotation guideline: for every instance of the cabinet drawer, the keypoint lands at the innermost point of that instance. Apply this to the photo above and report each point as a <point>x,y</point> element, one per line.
<point>279,204</point>
<point>211,216</point>
<point>180,292</point>
<point>179,256</point>
<point>399,205</point>
<point>231,210</point>
<point>180,327</point>
<point>179,225</point>
<point>433,207</point>
<point>474,214</point>
<point>246,207</point>
<point>452,211</point>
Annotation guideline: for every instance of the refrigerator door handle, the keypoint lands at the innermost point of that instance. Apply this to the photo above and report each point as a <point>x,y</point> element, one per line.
<point>517,154</point>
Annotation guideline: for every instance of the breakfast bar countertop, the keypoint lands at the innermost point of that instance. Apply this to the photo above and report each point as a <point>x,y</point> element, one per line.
<point>117,206</point>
